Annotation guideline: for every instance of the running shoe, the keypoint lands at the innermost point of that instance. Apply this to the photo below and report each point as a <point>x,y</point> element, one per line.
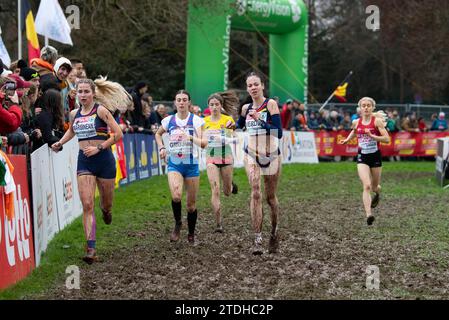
<point>191,239</point>
<point>219,228</point>
<point>235,188</point>
<point>176,233</point>
<point>375,200</point>
<point>107,217</point>
<point>91,256</point>
<point>370,220</point>
<point>257,248</point>
<point>273,245</point>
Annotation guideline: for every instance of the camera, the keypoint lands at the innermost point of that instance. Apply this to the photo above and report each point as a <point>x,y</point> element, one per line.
<point>10,86</point>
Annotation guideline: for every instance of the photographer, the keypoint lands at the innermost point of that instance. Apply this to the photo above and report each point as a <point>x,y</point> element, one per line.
<point>10,112</point>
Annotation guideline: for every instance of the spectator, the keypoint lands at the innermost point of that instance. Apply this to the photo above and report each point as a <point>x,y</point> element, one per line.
<point>439,124</point>
<point>21,86</point>
<point>313,121</point>
<point>10,112</point>
<point>146,112</point>
<point>410,123</point>
<point>299,113</point>
<point>323,122</point>
<point>30,74</point>
<point>422,125</point>
<point>78,68</point>
<point>159,114</point>
<point>50,120</point>
<point>196,110</point>
<point>286,114</point>
<point>356,115</point>
<point>393,121</point>
<point>44,64</point>
<point>346,123</point>
<point>206,112</point>
<point>138,119</point>
<point>433,117</point>
<point>334,120</point>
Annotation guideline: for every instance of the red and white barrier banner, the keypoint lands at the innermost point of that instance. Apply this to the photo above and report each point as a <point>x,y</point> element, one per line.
<point>16,236</point>
<point>44,200</point>
<point>404,144</point>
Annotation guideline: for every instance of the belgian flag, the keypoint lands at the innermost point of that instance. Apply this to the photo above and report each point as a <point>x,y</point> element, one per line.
<point>28,22</point>
<point>340,92</point>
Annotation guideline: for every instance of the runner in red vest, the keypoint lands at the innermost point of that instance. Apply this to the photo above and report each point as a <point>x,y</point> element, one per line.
<point>370,131</point>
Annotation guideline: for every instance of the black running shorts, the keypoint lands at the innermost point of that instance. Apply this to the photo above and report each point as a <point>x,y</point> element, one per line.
<point>372,160</point>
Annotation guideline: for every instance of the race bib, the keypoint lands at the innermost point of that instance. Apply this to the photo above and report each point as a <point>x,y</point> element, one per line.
<point>367,144</point>
<point>179,145</point>
<point>215,138</point>
<point>254,127</point>
<point>84,127</point>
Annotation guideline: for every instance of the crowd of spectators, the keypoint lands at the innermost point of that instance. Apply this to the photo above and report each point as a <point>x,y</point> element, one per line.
<point>295,117</point>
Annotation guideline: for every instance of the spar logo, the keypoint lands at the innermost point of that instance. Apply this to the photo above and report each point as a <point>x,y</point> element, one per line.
<point>18,231</point>
<point>67,187</point>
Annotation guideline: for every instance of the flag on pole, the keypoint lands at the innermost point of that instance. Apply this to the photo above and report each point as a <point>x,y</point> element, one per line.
<point>52,23</point>
<point>4,56</point>
<point>340,92</point>
<point>28,22</point>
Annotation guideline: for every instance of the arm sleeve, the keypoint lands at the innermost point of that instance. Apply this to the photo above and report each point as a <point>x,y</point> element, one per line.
<point>10,119</point>
<point>275,127</point>
<point>241,122</point>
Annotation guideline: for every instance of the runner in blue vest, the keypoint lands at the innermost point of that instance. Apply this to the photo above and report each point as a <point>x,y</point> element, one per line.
<point>185,130</point>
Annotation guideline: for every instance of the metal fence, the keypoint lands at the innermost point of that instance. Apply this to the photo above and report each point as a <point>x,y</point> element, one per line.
<point>422,110</point>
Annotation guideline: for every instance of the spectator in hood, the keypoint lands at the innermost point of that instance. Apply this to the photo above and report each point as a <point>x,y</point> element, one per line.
<point>62,68</point>
<point>44,64</point>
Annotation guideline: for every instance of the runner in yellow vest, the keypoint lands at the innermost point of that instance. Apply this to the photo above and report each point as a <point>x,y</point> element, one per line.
<point>219,128</point>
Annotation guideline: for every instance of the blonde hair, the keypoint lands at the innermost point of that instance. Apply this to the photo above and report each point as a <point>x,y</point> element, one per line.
<point>112,95</point>
<point>228,100</point>
<point>373,103</point>
<point>380,114</point>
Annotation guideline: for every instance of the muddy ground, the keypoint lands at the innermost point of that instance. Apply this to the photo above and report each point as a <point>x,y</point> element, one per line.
<point>325,250</point>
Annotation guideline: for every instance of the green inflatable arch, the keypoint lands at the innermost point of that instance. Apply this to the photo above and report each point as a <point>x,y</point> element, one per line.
<point>209,28</point>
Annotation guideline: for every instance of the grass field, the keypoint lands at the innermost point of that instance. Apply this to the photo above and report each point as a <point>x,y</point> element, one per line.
<point>325,249</point>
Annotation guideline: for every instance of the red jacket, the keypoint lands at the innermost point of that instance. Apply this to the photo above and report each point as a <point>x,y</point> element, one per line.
<point>10,119</point>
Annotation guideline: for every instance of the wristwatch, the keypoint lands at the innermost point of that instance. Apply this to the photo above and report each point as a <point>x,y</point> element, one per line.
<point>100,147</point>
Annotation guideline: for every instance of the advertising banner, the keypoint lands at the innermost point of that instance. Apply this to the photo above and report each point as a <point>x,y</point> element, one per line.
<point>45,217</point>
<point>153,164</point>
<point>64,164</point>
<point>404,144</point>
<point>16,235</point>
<point>130,159</point>
<point>142,144</point>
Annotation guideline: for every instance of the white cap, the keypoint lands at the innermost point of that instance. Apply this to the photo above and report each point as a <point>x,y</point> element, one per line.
<point>442,115</point>
<point>61,61</point>
<point>6,73</point>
